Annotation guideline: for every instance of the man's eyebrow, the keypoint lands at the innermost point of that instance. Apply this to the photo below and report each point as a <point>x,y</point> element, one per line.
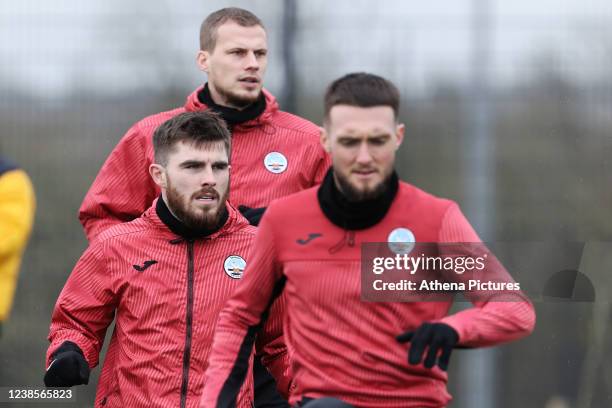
<point>187,163</point>
<point>347,136</point>
<point>379,136</point>
<point>245,49</point>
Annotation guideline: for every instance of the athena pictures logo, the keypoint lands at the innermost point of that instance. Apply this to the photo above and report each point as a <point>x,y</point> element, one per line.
<point>234,266</point>
<point>275,162</point>
<point>401,241</point>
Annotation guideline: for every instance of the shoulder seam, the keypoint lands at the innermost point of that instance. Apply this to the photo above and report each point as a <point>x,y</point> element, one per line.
<point>296,128</point>
<point>119,234</point>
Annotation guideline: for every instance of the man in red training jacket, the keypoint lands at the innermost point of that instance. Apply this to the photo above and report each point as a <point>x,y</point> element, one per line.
<point>165,277</point>
<point>344,351</point>
<point>274,153</point>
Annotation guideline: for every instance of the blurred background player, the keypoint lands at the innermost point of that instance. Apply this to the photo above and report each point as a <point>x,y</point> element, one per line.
<point>275,153</point>
<point>164,277</point>
<point>309,246</point>
<point>17,205</point>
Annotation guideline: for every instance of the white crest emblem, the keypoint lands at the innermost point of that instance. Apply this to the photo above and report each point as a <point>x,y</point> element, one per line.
<point>401,241</point>
<point>234,266</point>
<point>275,162</point>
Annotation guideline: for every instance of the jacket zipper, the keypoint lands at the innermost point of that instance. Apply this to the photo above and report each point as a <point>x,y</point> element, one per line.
<point>189,321</point>
<point>350,240</point>
<point>347,239</point>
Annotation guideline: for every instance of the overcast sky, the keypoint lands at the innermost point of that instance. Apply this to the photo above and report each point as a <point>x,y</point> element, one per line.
<point>51,47</point>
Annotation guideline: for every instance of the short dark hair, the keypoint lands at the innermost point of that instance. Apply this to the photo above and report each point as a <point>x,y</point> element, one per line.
<point>210,26</point>
<point>198,128</point>
<point>363,90</point>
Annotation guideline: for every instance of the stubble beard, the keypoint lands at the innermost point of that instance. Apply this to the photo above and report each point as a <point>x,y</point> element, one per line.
<point>234,99</point>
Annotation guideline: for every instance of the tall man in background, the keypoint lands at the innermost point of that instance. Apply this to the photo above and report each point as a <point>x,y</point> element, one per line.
<point>309,245</point>
<point>274,153</point>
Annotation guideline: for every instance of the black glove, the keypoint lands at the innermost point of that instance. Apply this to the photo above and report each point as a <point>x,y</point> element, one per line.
<point>252,214</point>
<point>437,336</point>
<point>68,367</point>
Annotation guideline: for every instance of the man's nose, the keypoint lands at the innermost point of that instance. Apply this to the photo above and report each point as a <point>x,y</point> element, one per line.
<point>363,155</point>
<point>208,177</point>
<point>252,63</point>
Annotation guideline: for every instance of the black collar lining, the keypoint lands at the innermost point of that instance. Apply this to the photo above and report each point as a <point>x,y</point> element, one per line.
<point>354,215</point>
<point>180,229</point>
<point>233,116</point>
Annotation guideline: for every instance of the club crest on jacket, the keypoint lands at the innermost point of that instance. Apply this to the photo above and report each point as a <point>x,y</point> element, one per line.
<point>234,266</point>
<point>401,240</point>
<point>275,162</point>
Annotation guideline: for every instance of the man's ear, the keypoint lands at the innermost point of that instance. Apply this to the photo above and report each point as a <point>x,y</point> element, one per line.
<point>158,174</point>
<point>324,137</point>
<point>399,134</point>
<point>202,59</point>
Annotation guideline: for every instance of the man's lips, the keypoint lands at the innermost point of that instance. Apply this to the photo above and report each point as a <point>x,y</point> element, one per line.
<point>364,173</point>
<point>206,197</point>
<point>250,80</point>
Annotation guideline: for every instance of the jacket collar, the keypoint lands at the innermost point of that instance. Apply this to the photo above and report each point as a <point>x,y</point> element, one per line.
<point>233,116</point>
<point>354,215</point>
<point>175,230</point>
<point>193,103</point>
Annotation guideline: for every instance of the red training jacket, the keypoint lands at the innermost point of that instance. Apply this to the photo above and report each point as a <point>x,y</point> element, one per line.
<point>340,345</point>
<point>124,189</point>
<point>166,310</point>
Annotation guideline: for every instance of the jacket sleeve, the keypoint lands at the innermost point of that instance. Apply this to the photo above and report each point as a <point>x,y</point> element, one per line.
<point>85,307</point>
<point>123,189</point>
<point>496,317</point>
<point>16,217</point>
<point>240,321</point>
<point>270,345</point>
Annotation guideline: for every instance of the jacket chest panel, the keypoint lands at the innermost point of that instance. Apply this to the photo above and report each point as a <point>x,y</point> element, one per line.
<point>156,293</point>
<point>267,166</point>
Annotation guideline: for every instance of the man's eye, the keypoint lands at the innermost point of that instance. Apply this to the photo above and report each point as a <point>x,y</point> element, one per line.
<point>219,166</point>
<point>377,142</point>
<point>349,143</point>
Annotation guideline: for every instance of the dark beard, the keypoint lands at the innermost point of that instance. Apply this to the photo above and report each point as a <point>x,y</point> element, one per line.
<point>200,221</point>
<point>353,195</point>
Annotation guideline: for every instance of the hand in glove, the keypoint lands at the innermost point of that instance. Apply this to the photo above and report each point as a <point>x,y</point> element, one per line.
<point>440,338</point>
<point>68,367</point>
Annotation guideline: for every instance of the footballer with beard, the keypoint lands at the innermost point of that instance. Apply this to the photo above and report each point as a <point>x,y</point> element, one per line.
<point>164,277</point>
